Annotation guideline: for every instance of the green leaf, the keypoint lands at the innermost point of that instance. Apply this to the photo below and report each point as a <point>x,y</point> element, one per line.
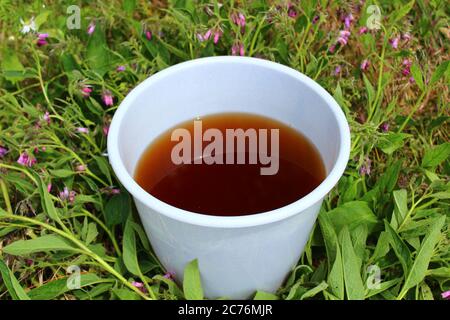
<point>40,244</point>
<point>336,276</point>
<point>435,156</point>
<point>388,180</point>
<point>192,285</point>
<point>440,71</point>
<point>400,248</point>
<point>126,294</point>
<point>55,288</point>
<point>12,284</point>
<point>352,214</point>
<point>41,18</point>
<point>401,204</point>
<point>92,233</point>
<point>420,266</point>
<point>391,142</point>
<point>117,209</point>
<point>402,11</point>
<point>417,75</point>
<point>46,200</point>
<point>97,53</point>
<point>61,173</point>
<point>329,237</point>
<point>354,285</point>
<point>261,295</point>
<point>129,6</point>
<point>104,167</point>
<point>129,250</point>
<point>12,68</point>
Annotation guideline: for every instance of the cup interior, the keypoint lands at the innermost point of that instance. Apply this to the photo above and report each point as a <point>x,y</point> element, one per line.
<point>227,84</point>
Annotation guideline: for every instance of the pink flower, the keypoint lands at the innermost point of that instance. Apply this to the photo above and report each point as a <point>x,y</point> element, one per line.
<point>46,117</point>
<point>200,37</point>
<point>445,295</point>
<point>207,35</point>
<point>82,130</point>
<point>315,19</point>
<point>3,152</point>
<point>406,71</point>
<point>292,13</point>
<point>217,35</point>
<point>115,191</point>
<point>120,68</point>
<point>49,187</point>
<point>365,65</point>
<point>394,42</point>
<point>72,195</point>
<point>91,28</point>
<point>139,285</point>
<point>86,91</point>
<point>80,168</point>
<point>348,20</point>
<point>343,37</point>
<point>406,36</point>
<point>239,20</point>
<point>365,168</point>
<point>107,98</point>
<point>332,48</point>
<point>384,127</point>
<point>362,30</point>
<point>64,195</point>
<point>337,70</point>
<point>42,39</point>
<point>237,48</point>
<point>411,80</point>
<point>26,160</point>
<point>148,34</point>
<point>105,130</point>
<point>169,275</point>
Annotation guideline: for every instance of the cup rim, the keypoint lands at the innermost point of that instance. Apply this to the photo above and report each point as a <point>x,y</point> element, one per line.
<point>230,221</point>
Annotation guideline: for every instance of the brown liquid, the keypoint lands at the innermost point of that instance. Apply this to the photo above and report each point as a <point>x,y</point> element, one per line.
<point>231,189</point>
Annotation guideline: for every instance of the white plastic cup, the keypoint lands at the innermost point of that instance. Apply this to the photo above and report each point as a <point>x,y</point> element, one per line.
<point>237,255</point>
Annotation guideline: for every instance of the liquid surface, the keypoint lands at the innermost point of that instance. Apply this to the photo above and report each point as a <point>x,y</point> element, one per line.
<point>231,189</point>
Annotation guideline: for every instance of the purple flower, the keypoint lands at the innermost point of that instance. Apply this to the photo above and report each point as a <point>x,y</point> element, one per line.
<point>343,37</point>
<point>446,295</point>
<point>332,48</point>
<point>365,65</point>
<point>217,35</point>
<point>49,187</point>
<point>239,20</point>
<point>394,42</point>
<point>105,130</point>
<point>348,21</point>
<point>139,285</point>
<point>406,67</point>
<point>406,36</point>
<point>207,34</point>
<point>200,37</point>
<point>42,39</point>
<point>64,195</point>
<point>292,13</point>
<point>365,168</point>
<point>107,98</point>
<point>337,70</point>
<point>26,160</point>
<point>362,30</point>
<point>46,117</point>
<point>237,48</point>
<point>82,130</point>
<point>169,275</point>
<point>384,127</point>
<point>3,151</point>
<point>315,19</point>
<point>80,168</point>
<point>86,91</point>
<point>120,68</point>
<point>115,191</point>
<point>91,28</point>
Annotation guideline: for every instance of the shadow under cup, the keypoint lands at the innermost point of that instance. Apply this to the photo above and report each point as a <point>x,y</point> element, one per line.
<point>241,254</point>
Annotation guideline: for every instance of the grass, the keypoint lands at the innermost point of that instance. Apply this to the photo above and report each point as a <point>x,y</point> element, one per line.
<point>382,232</point>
